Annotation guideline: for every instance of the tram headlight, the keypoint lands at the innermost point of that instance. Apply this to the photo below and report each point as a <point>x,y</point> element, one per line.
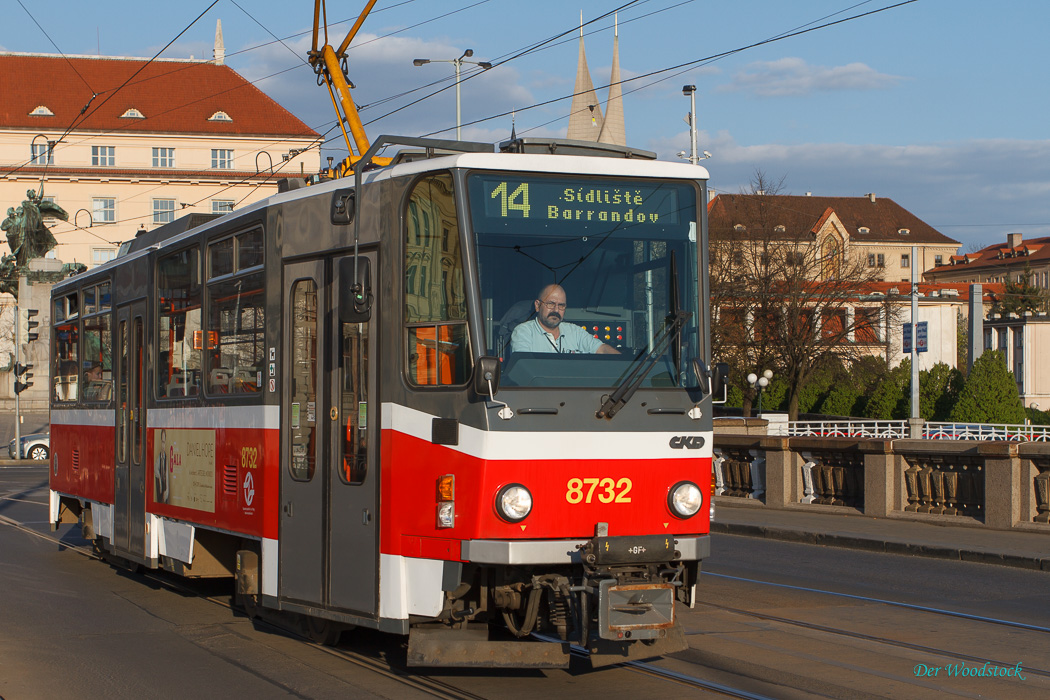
<point>685,499</point>
<point>513,503</point>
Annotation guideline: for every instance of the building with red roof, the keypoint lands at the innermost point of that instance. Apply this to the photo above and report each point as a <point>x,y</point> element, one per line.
<point>875,231</point>
<point>125,144</point>
<point>999,262</point>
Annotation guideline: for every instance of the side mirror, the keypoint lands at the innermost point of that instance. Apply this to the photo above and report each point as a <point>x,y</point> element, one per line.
<point>719,378</point>
<point>355,300</point>
<point>713,379</point>
<point>344,204</point>
<point>486,376</point>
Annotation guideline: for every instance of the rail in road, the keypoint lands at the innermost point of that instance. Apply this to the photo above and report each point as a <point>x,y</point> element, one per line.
<point>773,620</point>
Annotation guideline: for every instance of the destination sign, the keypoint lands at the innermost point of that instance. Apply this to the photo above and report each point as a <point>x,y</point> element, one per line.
<point>563,200</point>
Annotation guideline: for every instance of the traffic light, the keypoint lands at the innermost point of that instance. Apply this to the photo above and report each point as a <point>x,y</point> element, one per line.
<point>30,325</point>
<point>22,377</point>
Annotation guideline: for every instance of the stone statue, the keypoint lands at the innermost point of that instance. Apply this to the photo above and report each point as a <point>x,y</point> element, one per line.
<point>8,275</point>
<point>27,235</point>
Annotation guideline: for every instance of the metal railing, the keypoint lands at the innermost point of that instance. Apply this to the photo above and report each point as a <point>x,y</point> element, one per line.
<point>898,429</point>
<point>888,429</point>
<point>986,431</point>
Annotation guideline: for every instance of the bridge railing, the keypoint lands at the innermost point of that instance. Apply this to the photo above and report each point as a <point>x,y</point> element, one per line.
<point>1001,484</point>
<point>885,429</point>
<point>898,429</point>
<point>986,431</point>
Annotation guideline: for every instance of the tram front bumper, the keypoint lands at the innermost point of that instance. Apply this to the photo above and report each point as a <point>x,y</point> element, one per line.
<point>631,612</point>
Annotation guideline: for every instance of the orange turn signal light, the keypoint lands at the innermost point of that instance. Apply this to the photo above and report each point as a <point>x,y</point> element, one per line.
<point>446,488</point>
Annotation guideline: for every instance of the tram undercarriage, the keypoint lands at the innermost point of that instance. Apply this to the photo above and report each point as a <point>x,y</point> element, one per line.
<point>615,604</point>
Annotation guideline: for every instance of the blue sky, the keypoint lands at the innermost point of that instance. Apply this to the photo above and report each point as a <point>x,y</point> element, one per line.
<point>936,104</point>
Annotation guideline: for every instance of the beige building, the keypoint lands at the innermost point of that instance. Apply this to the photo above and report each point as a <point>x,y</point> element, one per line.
<point>876,232</point>
<point>125,144</point>
<point>1021,339</point>
<point>1000,262</point>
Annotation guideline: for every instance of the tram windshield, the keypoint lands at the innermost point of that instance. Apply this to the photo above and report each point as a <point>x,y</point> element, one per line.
<point>582,278</point>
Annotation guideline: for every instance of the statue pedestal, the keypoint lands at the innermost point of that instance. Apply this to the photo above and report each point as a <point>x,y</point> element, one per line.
<point>34,292</point>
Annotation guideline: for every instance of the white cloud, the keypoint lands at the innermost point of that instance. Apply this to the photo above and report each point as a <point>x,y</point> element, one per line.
<point>793,77</point>
<point>383,69</point>
<point>973,191</point>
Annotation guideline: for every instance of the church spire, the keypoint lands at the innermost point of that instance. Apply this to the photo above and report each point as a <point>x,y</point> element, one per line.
<point>219,52</point>
<point>585,114</point>
<point>613,129</point>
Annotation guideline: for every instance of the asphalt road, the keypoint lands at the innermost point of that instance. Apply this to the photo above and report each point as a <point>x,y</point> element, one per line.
<point>767,623</point>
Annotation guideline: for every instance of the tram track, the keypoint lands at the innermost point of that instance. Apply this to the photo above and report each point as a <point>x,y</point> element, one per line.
<point>878,639</point>
<point>665,674</point>
<point>894,603</point>
<point>431,686</point>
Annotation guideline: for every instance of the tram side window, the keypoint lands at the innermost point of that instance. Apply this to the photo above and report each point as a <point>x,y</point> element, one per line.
<point>237,309</point>
<point>65,358</point>
<point>97,363</point>
<point>236,315</point>
<point>180,336</point>
<point>303,413</point>
<point>435,297</point>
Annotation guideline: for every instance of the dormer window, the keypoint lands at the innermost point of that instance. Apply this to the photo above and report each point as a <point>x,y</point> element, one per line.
<point>220,117</point>
<point>780,228</point>
<point>133,113</point>
<point>740,227</point>
<point>41,111</point>
<point>903,231</point>
<point>863,229</point>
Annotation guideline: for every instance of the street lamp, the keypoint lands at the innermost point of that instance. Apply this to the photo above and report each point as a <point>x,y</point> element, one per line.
<point>690,91</point>
<point>760,383</point>
<point>457,62</point>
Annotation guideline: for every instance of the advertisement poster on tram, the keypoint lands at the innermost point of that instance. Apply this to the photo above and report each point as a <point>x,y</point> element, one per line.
<point>184,469</point>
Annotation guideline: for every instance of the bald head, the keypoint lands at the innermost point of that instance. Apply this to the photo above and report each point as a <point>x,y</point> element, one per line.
<point>550,306</point>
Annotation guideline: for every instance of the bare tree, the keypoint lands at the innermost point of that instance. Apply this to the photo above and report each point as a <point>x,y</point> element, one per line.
<point>787,293</point>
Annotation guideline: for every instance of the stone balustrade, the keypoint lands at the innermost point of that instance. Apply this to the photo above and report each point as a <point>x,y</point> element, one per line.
<point>1001,485</point>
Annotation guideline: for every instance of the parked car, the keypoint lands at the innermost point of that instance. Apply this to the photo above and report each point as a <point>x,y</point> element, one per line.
<point>35,446</point>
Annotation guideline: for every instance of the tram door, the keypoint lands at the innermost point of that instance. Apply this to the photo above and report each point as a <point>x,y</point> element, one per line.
<point>129,488</point>
<point>329,486</point>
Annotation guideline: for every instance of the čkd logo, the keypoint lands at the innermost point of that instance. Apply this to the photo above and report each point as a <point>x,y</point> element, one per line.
<point>689,442</point>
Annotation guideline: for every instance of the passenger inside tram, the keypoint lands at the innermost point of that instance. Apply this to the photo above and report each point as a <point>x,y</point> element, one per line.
<point>96,386</point>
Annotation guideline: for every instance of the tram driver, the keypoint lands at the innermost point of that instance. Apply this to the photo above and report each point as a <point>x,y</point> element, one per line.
<point>545,333</point>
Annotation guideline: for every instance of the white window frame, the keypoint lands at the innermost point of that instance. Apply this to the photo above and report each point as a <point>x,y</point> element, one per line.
<point>163,214</point>
<point>98,206</point>
<point>103,156</point>
<point>222,158</point>
<point>97,255</point>
<point>905,261</point>
<point>222,206</point>
<point>163,157</point>
<point>41,154</point>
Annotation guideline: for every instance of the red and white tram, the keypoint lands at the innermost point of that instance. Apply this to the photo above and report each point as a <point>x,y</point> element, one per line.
<point>319,396</point>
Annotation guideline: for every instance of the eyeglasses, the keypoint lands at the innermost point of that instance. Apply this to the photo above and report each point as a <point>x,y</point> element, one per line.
<point>552,305</point>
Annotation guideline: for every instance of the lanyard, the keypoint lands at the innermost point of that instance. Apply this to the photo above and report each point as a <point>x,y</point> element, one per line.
<point>557,348</point>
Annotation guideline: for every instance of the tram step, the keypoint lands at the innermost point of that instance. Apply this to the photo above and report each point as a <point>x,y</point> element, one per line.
<point>449,648</point>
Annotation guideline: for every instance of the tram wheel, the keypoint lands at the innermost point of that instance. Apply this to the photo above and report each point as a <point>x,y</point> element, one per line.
<point>250,604</point>
<point>322,631</point>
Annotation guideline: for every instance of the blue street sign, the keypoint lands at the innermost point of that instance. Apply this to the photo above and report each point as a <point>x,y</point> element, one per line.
<point>922,343</point>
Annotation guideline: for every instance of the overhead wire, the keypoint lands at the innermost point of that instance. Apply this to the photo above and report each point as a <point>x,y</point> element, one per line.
<point>527,50</point>
<point>689,65</point>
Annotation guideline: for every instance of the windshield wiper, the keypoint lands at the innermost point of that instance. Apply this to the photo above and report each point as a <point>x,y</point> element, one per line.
<point>673,325</point>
